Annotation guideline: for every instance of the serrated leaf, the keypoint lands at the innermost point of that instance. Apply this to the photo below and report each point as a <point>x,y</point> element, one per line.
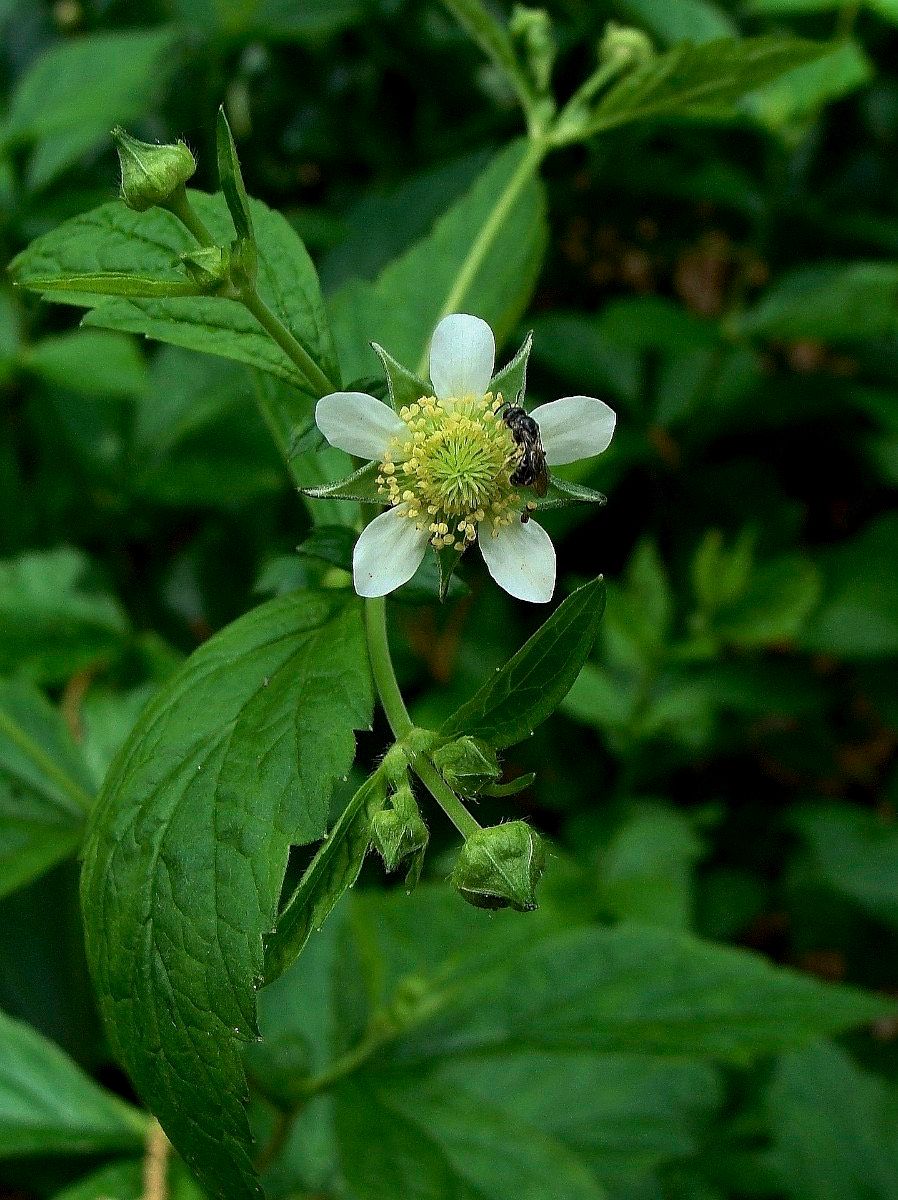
<point>114,239</point>
<point>445,272</point>
<point>52,622</point>
<point>45,787</point>
<point>698,80</point>
<point>231,763</point>
<point>73,93</point>
<point>533,683</point>
<point>49,1106</point>
<point>334,868</point>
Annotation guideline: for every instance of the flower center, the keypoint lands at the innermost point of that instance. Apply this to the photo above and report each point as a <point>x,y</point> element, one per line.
<point>450,471</point>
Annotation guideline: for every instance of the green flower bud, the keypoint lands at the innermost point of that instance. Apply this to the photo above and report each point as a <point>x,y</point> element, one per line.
<point>151,173</point>
<point>532,29</point>
<point>467,765</point>
<point>625,45</point>
<point>207,265</point>
<point>500,867</point>
<point>399,834</point>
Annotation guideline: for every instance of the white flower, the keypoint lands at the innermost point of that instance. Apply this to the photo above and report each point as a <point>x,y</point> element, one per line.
<point>446,466</point>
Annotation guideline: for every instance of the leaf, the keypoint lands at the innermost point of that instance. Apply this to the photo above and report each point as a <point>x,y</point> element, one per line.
<point>123,1180</point>
<point>798,95</point>
<point>52,623</point>
<point>856,853</point>
<point>360,486</point>
<point>635,989</point>
<point>833,1127</point>
<point>72,95</point>
<point>401,1137</point>
<point>696,80</point>
<point>832,302</point>
<point>270,20</point>
<point>334,868</point>
<point>531,685</point>
<point>112,238</point>
<point>45,787</point>
<point>686,21</point>
<point>453,269</point>
<point>775,605</point>
<point>511,381</point>
<point>562,493</point>
<point>49,1106</point>
<point>89,362</point>
<point>494,40</point>
<point>230,763</point>
<point>858,616</point>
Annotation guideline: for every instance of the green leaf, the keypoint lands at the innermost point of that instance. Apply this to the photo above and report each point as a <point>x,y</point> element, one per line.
<point>49,1106</point>
<point>332,544</point>
<point>856,853</point>
<point>774,606</point>
<point>494,40</point>
<point>230,178</point>
<point>52,622</point>
<point>798,96</point>
<point>833,1127</point>
<point>686,21</point>
<point>454,269</point>
<point>405,387</point>
<point>114,239</point>
<point>858,616</point>
<point>531,685</point>
<point>124,1181</point>
<point>45,787</point>
<point>240,22</point>
<point>230,764</point>
<point>334,868</point>
<point>833,302</point>
<point>72,95</point>
<point>89,362</point>
<point>694,81</point>
<point>403,1137</point>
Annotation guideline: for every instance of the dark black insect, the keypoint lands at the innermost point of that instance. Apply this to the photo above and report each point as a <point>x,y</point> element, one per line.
<point>531,470</point>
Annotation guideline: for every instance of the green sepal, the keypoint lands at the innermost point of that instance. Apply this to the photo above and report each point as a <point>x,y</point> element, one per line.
<point>405,387</point>
<point>207,266</point>
<point>562,494</point>
<point>511,381</point>
<point>230,179</point>
<point>400,835</point>
<point>511,788</point>
<point>448,558</point>
<point>500,867</point>
<point>151,173</point>
<point>360,486</point>
<point>467,764</point>
<point>113,283</point>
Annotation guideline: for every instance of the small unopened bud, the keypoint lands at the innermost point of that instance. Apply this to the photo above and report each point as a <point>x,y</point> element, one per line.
<point>151,173</point>
<point>625,45</point>
<point>500,867</point>
<point>207,265</point>
<point>467,764</point>
<point>399,834</point>
<point>532,29</point>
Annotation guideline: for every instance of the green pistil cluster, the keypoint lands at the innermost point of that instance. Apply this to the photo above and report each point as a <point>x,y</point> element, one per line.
<point>450,471</point>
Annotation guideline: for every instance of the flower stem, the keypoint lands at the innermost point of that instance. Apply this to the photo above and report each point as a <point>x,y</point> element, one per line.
<point>398,716</point>
<point>179,205</point>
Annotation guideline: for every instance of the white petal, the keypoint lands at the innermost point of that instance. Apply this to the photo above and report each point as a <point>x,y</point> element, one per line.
<point>387,554</point>
<point>357,423</point>
<point>462,357</point>
<point>521,559</point>
<point>574,427</point>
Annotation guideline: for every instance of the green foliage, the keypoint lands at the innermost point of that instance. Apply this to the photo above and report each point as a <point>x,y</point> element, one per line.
<point>48,1105</point>
<point>229,765</point>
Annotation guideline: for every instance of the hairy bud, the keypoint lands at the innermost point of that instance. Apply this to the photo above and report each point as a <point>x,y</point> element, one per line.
<point>399,833</point>
<point>151,173</point>
<point>500,867</point>
<point>467,764</point>
<point>625,45</point>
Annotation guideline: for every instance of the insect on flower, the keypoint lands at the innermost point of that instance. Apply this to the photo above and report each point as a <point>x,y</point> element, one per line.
<point>461,465</point>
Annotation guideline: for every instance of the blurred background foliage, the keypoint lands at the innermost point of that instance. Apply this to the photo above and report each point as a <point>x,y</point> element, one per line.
<point>725,764</point>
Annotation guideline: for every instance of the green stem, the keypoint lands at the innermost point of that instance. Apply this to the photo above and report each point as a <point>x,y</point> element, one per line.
<point>178,204</point>
<point>489,231</point>
<point>279,333</point>
<point>569,115</point>
<point>347,1063</point>
<point>398,716</point>
<point>382,668</point>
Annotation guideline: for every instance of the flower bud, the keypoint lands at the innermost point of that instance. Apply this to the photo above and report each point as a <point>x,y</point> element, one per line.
<point>625,45</point>
<point>500,867</point>
<point>467,765</point>
<point>207,265</point>
<point>399,833</point>
<point>151,173</point>
<point>532,29</point>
